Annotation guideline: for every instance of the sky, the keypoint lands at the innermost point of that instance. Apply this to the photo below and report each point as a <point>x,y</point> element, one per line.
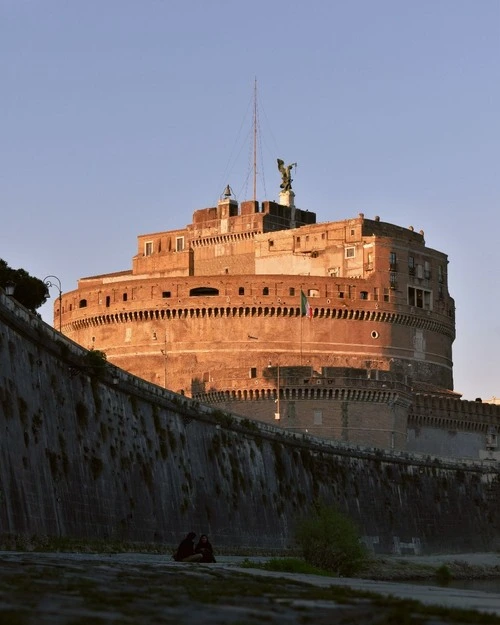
<point>123,117</point>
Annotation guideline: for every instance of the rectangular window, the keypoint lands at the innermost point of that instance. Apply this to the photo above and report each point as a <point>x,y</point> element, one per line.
<point>148,248</point>
<point>420,298</point>
<point>291,291</point>
<point>411,296</point>
<point>318,417</point>
<point>166,294</point>
<point>369,262</point>
<point>411,265</point>
<point>124,297</point>
<point>386,295</point>
<point>440,273</point>
<point>376,292</point>
<point>179,244</point>
<point>427,270</point>
<point>350,252</point>
<point>393,280</point>
<point>392,261</point>
<point>253,372</point>
<point>297,241</point>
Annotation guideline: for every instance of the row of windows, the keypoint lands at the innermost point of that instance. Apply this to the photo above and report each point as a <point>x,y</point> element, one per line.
<point>415,269</point>
<point>347,292</point>
<point>420,298</point>
<point>149,246</point>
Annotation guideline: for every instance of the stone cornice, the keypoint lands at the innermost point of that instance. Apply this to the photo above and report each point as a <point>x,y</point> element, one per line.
<point>423,321</point>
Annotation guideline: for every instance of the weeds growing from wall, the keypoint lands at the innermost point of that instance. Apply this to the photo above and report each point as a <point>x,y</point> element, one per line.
<point>64,455</point>
<point>7,403</point>
<point>82,415</point>
<point>22,407</point>
<point>172,440</point>
<point>278,460</point>
<point>96,467</point>
<point>225,419</point>
<point>104,432</point>
<point>53,464</point>
<point>96,394</point>
<point>36,424</point>
<point>134,404</point>
<point>147,474</point>
<point>156,420</point>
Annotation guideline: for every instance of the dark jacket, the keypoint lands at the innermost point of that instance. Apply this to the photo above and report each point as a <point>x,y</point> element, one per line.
<point>206,549</point>
<point>185,548</point>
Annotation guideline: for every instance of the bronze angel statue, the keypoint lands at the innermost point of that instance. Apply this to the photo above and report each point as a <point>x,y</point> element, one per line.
<point>286,176</point>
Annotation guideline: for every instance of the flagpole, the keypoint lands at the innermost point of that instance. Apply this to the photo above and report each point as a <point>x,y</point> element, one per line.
<point>301,317</point>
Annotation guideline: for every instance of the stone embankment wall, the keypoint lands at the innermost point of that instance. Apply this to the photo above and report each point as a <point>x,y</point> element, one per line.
<point>99,454</point>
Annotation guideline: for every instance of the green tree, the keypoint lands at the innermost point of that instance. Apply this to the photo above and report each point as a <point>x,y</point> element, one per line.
<point>30,292</point>
<point>330,540</point>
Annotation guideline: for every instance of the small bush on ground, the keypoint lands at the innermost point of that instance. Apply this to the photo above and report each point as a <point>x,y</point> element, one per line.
<point>330,540</point>
<point>286,565</point>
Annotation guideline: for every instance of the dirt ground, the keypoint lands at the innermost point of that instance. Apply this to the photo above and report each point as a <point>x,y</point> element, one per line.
<point>97,589</point>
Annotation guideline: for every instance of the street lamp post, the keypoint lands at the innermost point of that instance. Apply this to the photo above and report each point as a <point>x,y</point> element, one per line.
<point>277,414</point>
<point>48,283</point>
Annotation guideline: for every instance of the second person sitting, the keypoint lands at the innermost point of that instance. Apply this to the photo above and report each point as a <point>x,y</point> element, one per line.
<point>205,548</point>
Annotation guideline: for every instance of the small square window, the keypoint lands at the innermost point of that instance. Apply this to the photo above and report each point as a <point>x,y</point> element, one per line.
<point>166,294</point>
<point>350,252</point>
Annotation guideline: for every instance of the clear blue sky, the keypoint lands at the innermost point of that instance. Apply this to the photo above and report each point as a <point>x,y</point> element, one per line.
<point>122,117</point>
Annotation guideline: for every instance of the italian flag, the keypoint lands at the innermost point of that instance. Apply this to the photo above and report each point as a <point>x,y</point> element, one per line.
<point>305,308</point>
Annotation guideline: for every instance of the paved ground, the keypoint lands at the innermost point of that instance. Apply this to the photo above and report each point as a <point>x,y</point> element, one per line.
<point>95,589</point>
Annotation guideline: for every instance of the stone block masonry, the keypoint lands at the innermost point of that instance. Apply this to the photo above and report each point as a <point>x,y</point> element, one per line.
<point>100,454</point>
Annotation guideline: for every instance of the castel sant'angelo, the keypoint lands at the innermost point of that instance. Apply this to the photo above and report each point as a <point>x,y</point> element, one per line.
<point>342,329</point>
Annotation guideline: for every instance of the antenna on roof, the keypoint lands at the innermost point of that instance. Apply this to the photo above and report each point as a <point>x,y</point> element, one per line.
<point>255,140</point>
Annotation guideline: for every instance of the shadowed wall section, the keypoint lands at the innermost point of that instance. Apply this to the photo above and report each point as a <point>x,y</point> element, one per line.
<point>104,455</point>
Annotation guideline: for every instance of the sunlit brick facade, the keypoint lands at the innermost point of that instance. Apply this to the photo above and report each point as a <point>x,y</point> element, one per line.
<point>214,311</point>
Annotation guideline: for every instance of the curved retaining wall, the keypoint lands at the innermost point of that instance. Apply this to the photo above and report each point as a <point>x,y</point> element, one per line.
<point>107,455</point>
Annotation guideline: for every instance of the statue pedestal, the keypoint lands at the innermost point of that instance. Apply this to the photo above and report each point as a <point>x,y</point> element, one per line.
<point>287,198</point>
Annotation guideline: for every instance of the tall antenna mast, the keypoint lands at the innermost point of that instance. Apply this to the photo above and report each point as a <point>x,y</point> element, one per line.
<point>255,141</point>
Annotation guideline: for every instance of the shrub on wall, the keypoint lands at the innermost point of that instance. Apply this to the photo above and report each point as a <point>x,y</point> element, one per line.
<point>331,541</point>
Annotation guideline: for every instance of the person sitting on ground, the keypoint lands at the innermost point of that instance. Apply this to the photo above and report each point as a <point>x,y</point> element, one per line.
<point>185,551</point>
<point>205,548</point>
